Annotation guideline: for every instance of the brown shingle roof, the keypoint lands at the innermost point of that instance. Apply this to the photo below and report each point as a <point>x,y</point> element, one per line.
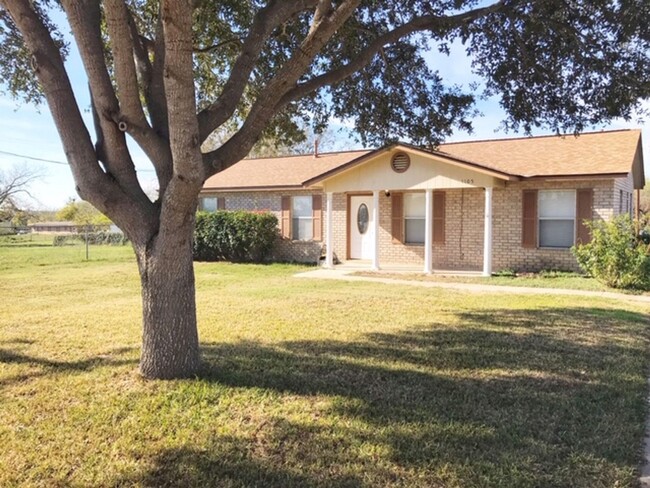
<point>595,153</point>
<point>588,154</point>
<point>281,172</point>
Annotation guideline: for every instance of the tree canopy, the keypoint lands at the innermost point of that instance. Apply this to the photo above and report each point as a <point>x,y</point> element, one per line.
<point>168,74</point>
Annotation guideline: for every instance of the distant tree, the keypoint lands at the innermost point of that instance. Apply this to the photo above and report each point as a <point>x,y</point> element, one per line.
<point>82,213</point>
<point>15,183</point>
<point>169,73</point>
<point>269,146</point>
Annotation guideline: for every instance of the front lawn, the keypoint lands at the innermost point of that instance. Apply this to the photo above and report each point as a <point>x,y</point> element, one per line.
<point>548,279</point>
<point>314,383</point>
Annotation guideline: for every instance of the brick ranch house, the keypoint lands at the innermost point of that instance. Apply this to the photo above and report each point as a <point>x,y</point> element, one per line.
<point>481,206</point>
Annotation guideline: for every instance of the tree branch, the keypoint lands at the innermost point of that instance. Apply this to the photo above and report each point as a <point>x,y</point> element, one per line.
<point>121,31</point>
<point>424,23</point>
<point>92,183</point>
<point>14,183</point>
<point>214,47</point>
<point>267,19</point>
<point>85,20</point>
<point>322,29</point>
<point>156,92</point>
<point>179,199</point>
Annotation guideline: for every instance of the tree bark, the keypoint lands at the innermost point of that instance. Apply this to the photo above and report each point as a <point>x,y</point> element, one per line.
<point>170,342</point>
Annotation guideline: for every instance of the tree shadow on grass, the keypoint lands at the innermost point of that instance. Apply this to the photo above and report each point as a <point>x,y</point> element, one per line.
<point>45,366</point>
<point>521,398</point>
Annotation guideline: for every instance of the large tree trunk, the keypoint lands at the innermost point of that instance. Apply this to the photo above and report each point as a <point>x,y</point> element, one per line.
<point>170,342</point>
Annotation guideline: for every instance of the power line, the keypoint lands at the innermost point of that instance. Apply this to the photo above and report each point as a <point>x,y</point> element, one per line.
<point>33,158</point>
<point>43,160</point>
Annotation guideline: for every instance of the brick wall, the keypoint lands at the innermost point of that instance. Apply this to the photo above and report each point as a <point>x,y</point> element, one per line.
<point>463,246</point>
<point>507,252</point>
<point>624,195</point>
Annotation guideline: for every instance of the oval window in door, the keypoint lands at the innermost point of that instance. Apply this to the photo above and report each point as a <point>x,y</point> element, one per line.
<point>362,218</point>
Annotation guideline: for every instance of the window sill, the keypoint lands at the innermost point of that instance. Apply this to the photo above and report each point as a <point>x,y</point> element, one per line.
<point>555,248</point>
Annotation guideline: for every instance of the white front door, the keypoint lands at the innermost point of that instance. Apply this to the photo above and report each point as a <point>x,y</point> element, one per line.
<point>362,227</point>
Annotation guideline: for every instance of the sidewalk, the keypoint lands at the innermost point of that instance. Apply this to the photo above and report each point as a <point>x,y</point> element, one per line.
<point>347,275</point>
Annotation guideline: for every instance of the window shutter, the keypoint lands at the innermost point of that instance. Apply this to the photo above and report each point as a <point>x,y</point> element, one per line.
<point>286,217</point>
<point>397,217</point>
<point>439,212</point>
<point>529,219</point>
<point>317,214</point>
<point>584,211</point>
<point>221,203</point>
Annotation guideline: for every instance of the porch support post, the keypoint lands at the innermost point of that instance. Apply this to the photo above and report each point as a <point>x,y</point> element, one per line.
<point>375,223</point>
<point>428,231</point>
<point>329,251</point>
<point>487,234</point>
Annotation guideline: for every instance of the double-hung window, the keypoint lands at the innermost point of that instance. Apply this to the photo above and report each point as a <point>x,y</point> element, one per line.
<point>302,225</point>
<point>557,218</point>
<point>414,218</point>
<point>209,204</point>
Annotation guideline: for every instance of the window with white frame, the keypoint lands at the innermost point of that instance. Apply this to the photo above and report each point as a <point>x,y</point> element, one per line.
<point>557,217</point>
<point>209,204</point>
<point>414,218</point>
<point>302,225</point>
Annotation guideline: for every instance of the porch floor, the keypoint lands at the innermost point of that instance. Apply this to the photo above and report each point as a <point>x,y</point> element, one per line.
<point>353,265</point>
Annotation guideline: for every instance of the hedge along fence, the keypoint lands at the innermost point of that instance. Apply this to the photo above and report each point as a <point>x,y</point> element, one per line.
<point>234,236</point>
<point>94,238</point>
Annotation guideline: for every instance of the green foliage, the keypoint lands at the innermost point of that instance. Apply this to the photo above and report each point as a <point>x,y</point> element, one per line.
<point>82,213</point>
<point>505,273</point>
<point>16,67</point>
<point>94,238</point>
<point>234,236</point>
<point>615,256</point>
<point>562,65</point>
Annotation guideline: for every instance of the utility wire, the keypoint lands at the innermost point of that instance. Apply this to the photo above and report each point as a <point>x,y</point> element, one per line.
<point>33,158</point>
<point>50,160</point>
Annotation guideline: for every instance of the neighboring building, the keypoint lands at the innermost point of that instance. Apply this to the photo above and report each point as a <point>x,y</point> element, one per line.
<point>64,227</point>
<point>484,205</point>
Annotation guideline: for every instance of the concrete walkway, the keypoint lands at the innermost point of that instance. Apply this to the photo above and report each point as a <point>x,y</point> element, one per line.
<point>347,275</point>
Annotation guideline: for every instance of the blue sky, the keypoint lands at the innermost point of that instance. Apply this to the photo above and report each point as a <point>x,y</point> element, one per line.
<point>28,130</point>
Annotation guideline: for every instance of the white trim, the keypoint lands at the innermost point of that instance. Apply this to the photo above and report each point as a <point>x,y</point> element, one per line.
<point>329,252</point>
<point>375,230</point>
<point>428,231</point>
<point>487,234</point>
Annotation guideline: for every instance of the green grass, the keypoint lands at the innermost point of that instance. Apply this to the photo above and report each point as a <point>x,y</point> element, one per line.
<point>552,279</point>
<point>314,383</point>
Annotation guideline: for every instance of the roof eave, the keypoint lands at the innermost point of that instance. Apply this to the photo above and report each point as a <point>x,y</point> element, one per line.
<point>582,176</point>
<point>251,188</point>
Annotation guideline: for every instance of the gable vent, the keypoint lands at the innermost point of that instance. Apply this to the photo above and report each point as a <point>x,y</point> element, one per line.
<point>400,162</point>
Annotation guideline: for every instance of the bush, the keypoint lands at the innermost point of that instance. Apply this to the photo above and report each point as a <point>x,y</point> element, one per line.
<point>105,238</point>
<point>234,236</point>
<point>615,256</point>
